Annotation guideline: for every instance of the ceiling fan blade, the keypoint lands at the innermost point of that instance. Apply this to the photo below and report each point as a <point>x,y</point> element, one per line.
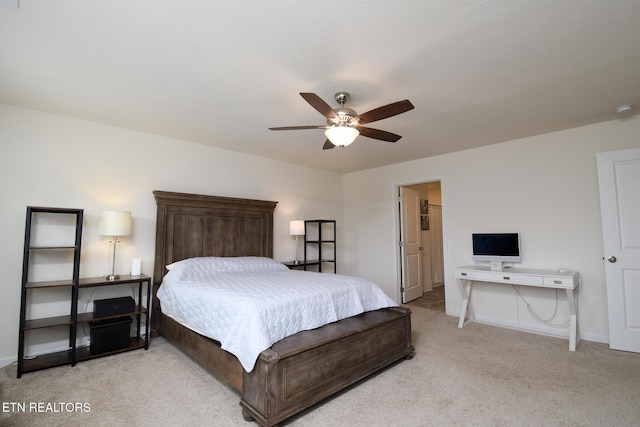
<point>385,111</point>
<point>328,145</point>
<point>322,107</point>
<point>382,135</point>
<point>299,127</point>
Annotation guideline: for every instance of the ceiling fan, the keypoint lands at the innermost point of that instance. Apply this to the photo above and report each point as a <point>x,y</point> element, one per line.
<point>344,124</point>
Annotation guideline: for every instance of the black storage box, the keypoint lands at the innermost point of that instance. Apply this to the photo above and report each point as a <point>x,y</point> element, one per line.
<point>110,334</point>
<point>113,307</point>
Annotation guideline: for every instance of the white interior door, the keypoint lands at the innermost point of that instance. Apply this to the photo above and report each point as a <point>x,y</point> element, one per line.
<point>410,244</point>
<point>619,181</point>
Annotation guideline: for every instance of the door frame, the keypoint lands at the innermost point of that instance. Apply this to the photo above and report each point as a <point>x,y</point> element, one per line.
<point>396,236</point>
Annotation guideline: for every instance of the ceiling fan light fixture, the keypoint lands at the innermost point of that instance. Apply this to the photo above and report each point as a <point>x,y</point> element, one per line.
<point>341,136</point>
<point>344,124</point>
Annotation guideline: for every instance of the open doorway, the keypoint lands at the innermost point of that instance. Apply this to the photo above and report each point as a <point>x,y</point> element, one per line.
<point>431,236</point>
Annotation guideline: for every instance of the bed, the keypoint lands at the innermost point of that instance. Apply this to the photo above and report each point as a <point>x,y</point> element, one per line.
<point>296,372</point>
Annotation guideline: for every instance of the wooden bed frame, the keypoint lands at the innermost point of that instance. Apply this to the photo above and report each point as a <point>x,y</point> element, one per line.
<point>296,372</point>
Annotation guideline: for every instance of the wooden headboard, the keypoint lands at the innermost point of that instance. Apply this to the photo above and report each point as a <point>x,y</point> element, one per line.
<point>192,225</point>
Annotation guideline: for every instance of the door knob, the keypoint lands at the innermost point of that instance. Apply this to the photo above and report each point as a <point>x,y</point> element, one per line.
<point>612,259</point>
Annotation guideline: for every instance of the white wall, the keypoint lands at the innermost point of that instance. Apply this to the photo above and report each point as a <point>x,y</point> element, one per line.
<point>49,160</point>
<point>544,187</point>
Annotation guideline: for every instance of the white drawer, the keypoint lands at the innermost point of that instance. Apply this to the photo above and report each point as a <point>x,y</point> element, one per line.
<point>559,282</point>
<point>465,274</point>
<point>506,277</point>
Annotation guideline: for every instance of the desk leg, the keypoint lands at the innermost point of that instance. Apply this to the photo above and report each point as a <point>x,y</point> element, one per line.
<point>574,335</point>
<point>466,290</point>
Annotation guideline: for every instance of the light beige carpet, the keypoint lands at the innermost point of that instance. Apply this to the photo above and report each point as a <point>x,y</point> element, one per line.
<point>476,376</point>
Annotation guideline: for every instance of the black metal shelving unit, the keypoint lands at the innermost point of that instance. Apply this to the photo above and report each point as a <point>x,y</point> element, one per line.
<point>68,320</point>
<point>320,238</point>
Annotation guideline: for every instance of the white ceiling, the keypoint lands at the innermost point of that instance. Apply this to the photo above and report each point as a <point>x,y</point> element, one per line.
<point>222,72</point>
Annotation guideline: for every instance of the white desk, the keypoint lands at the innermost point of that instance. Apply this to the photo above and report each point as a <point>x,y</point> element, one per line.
<point>569,281</point>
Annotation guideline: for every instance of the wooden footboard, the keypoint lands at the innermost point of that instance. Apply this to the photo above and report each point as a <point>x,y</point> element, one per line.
<point>303,369</point>
<point>307,367</point>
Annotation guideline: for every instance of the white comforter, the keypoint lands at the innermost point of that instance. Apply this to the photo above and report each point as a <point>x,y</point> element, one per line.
<point>250,303</point>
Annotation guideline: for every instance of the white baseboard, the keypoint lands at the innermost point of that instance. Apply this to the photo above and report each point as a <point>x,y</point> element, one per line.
<point>535,328</point>
<point>6,361</point>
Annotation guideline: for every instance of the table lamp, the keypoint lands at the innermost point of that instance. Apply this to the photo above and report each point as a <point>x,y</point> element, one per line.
<point>296,228</point>
<point>114,224</point>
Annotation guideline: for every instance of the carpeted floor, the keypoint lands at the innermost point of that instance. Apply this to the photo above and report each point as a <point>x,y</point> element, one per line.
<point>476,376</point>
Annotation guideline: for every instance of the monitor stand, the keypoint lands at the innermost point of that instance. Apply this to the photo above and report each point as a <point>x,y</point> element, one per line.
<point>496,265</point>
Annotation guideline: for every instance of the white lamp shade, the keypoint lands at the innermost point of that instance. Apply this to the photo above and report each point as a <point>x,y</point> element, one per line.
<point>114,223</point>
<point>341,135</point>
<point>296,228</point>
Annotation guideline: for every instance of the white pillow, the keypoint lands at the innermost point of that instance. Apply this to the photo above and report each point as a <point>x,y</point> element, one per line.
<point>203,266</point>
